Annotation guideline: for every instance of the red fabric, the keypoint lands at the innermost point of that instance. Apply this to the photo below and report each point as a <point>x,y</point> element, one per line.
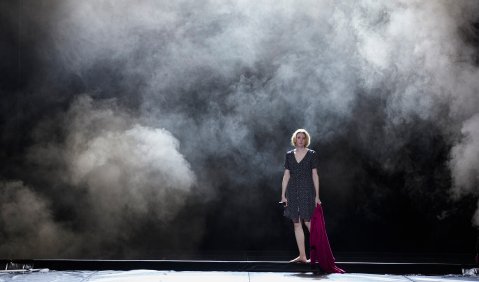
<point>320,251</point>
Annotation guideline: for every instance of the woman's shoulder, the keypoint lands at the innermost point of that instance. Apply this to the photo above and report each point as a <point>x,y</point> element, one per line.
<point>290,152</point>
<point>312,151</point>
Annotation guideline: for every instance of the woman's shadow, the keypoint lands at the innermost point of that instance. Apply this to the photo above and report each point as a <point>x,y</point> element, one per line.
<point>312,275</point>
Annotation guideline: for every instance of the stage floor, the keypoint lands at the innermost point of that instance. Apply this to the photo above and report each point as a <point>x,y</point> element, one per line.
<point>214,276</point>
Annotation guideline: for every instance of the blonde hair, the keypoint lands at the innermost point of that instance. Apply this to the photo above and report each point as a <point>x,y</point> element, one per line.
<point>308,138</point>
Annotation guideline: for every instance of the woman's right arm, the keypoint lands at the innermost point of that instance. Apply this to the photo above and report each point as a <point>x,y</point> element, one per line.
<point>284,184</point>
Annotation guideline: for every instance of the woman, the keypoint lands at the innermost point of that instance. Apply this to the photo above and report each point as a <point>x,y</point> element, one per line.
<point>300,187</point>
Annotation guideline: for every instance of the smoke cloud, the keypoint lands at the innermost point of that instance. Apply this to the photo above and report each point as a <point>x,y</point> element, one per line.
<point>465,162</point>
<point>149,113</point>
<point>28,228</point>
<point>119,171</point>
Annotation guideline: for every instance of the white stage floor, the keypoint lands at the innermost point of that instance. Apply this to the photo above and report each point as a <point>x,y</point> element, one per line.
<point>192,276</point>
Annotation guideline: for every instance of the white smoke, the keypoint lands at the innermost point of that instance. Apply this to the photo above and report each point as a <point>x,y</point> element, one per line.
<point>28,228</point>
<point>313,56</point>
<point>465,158</point>
<point>223,76</point>
<point>127,171</point>
<point>465,162</point>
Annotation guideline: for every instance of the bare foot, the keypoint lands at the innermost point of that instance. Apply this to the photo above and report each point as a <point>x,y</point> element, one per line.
<point>299,260</point>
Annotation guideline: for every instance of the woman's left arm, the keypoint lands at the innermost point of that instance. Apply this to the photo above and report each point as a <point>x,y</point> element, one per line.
<point>316,186</point>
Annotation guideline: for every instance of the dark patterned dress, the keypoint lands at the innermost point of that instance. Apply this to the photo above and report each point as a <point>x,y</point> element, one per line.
<point>300,191</point>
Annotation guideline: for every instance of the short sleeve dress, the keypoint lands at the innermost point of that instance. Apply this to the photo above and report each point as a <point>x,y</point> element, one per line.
<point>300,191</point>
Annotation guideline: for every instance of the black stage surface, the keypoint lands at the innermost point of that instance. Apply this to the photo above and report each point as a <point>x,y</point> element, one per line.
<point>401,268</point>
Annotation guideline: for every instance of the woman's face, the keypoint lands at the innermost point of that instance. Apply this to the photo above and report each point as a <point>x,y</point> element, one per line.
<point>300,140</point>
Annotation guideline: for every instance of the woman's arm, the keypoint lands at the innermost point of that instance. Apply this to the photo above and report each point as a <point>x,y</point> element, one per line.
<point>284,184</point>
<point>316,185</point>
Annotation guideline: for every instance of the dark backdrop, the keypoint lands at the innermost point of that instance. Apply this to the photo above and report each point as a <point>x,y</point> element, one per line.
<point>158,130</point>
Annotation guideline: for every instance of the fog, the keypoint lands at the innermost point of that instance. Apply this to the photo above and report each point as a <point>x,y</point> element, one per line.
<point>125,122</point>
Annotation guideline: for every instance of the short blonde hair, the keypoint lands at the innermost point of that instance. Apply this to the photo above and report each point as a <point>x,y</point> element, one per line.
<point>301,130</point>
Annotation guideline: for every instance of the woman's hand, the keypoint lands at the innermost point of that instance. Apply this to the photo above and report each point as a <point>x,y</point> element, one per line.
<point>284,201</point>
<point>317,201</point>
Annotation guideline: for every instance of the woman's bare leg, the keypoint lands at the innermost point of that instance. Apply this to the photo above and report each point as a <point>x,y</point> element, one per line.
<point>299,234</point>
<point>308,224</point>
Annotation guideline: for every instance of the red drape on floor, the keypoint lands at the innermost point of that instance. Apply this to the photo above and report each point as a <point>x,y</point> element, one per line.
<point>320,251</point>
